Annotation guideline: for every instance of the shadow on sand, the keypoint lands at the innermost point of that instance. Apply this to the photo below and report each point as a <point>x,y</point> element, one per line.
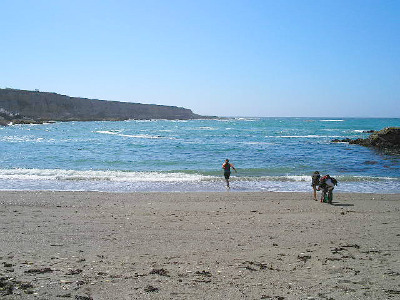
<point>341,204</point>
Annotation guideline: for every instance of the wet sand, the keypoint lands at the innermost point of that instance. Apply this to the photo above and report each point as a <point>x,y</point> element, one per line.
<point>89,245</point>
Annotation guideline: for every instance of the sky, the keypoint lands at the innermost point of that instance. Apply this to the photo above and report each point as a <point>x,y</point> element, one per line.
<point>256,58</point>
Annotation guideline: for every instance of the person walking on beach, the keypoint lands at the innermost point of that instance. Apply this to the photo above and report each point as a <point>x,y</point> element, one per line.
<point>315,183</point>
<point>227,171</point>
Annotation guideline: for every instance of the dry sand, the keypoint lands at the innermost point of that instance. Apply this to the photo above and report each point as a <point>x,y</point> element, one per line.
<point>89,245</point>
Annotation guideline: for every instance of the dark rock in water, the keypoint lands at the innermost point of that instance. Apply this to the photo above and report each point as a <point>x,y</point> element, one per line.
<point>385,139</point>
<point>368,131</point>
<point>346,140</point>
<point>370,162</point>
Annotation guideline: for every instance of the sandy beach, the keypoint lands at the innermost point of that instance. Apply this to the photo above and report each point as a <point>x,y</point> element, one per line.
<point>91,245</point>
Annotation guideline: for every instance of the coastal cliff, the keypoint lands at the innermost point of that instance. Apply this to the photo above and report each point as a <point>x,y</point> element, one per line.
<point>20,106</point>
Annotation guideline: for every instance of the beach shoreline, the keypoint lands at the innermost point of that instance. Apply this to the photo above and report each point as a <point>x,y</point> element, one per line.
<point>198,245</point>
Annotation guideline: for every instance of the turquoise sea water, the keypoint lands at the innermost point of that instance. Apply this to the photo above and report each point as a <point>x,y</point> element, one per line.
<point>271,154</point>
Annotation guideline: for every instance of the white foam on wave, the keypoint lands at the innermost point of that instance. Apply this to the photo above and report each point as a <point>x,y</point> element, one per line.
<point>282,178</point>
<point>116,132</point>
<point>257,143</point>
<point>367,178</point>
<point>302,136</point>
<point>361,131</point>
<point>94,175</point>
<point>139,136</point>
<point>248,119</point>
<point>347,178</point>
<point>24,125</point>
<point>130,176</point>
<point>124,181</point>
<point>207,128</point>
<point>331,120</point>
<point>307,178</point>
<point>298,177</point>
<point>21,139</point>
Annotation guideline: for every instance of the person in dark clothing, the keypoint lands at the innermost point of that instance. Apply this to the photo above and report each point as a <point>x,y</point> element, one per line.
<point>327,184</point>
<point>315,183</point>
<point>227,171</point>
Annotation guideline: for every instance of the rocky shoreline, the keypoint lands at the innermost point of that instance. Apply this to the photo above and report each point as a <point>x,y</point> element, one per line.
<point>386,139</point>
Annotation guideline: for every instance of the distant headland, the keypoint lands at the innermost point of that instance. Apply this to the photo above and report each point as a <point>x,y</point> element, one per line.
<point>25,107</point>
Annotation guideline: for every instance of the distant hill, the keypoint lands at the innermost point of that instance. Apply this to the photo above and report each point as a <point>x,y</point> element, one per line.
<point>34,106</point>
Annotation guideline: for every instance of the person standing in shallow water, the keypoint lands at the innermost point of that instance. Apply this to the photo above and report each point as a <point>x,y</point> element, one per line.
<point>227,171</point>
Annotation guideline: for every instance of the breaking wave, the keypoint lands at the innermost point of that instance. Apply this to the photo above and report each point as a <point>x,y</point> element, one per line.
<point>331,120</point>
<point>139,136</point>
<point>128,181</point>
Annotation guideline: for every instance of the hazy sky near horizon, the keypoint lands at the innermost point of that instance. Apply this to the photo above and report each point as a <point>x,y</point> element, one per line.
<point>227,58</point>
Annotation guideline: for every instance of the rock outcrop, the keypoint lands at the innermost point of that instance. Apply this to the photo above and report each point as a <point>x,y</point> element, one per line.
<point>385,139</point>
<point>20,106</point>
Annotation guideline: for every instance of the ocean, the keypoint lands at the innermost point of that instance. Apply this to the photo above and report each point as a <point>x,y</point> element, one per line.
<point>270,154</point>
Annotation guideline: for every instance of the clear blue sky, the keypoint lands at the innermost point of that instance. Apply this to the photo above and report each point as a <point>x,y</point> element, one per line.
<point>226,58</point>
